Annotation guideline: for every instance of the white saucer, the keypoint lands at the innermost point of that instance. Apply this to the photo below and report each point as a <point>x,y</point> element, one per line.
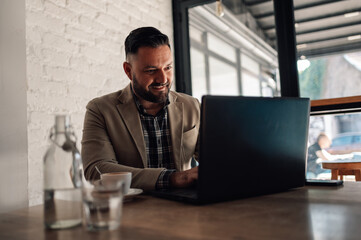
<point>105,188</point>
<point>132,193</point>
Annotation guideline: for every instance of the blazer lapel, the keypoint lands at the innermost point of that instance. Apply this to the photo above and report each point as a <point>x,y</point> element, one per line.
<point>175,111</point>
<point>129,113</point>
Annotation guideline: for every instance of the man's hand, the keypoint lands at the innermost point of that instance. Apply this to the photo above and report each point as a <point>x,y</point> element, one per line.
<point>184,179</point>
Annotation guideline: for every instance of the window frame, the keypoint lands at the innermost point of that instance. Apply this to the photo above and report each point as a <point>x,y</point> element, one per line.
<point>336,105</point>
<point>182,44</point>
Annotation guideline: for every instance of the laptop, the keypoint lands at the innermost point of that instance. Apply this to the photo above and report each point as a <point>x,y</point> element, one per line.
<point>249,146</point>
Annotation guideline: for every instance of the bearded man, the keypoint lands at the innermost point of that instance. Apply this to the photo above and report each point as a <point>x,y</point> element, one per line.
<point>145,128</point>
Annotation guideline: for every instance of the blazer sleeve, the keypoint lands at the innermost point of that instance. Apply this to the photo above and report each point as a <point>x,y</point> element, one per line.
<point>97,150</point>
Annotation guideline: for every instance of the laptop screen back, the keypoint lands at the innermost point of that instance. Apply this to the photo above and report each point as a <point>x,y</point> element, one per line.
<point>251,146</point>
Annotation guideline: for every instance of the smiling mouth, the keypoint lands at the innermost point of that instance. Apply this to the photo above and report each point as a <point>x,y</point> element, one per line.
<point>159,86</point>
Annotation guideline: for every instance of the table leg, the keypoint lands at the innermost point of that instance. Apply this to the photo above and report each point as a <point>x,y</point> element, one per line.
<point>358,174</point>
<point>334,174</point>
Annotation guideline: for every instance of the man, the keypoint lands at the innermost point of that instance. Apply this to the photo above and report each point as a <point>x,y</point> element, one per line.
<point>144,128</point>
<point>314,153</point>
<point>317,152</point>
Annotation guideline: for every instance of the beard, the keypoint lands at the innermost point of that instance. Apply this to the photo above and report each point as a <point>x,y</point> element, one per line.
<point>147,95</point>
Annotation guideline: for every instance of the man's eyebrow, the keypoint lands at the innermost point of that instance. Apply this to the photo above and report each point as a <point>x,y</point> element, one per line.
<point>151,66</point>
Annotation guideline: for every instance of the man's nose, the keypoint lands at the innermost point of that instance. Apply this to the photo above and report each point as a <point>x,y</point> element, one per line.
<point>162,77</point>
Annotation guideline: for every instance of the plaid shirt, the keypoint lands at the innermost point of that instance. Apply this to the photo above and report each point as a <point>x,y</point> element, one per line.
<point>157,140</point>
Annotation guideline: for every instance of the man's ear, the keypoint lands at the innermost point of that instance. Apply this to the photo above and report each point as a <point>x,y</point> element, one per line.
<point>128,70</point>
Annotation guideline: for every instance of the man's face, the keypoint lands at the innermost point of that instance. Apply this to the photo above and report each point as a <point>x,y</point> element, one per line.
<point>151,73</point>
<point>325,142</point>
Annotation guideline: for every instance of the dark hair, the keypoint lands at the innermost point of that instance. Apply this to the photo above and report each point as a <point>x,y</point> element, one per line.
<point>144,37</point>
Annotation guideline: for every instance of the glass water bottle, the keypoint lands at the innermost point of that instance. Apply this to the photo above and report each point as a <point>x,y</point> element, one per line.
<point>62,178</point>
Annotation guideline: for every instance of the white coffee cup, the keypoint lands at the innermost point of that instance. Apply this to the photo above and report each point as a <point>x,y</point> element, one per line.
<point>126,177</point>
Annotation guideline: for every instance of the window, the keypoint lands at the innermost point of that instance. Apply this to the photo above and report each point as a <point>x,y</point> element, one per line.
<point>329,54</point>
<point>331,76</point>
<point>221,48</point>
<point>223,78</point>
<point>329,48</point>
<point>317,45</point>
<point>343,132</point>
<point>329,71</point>
<point>199,83</point>
<point>226,59</point>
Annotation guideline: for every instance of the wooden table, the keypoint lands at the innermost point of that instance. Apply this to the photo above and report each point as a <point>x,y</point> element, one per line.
<point>303,213</point>
<point>344,167</point>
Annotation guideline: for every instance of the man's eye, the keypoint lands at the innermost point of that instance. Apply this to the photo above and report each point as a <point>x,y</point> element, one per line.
<point>168,67</point>
<point>151,71</point>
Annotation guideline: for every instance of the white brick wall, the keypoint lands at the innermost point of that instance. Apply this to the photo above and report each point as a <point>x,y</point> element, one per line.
<point>75,53</point>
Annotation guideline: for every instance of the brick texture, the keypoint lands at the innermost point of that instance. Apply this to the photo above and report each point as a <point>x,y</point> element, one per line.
<point>75,53</point>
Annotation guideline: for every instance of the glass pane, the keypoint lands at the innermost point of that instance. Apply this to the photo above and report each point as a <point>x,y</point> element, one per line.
<point>250,85</point>
<point>199,84</point>
<point>218,46</point>
<point>333,138</point>
<point>329,48</point>
<point>240,43</point>
<point>330,76</point>
<point>267,91</point>
<point>249,64</point>
<point>268,84</point>
<point>223,78</point>
<point>195,34</point>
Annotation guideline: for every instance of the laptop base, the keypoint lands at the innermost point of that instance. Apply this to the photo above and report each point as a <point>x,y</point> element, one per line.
<point>188,195</point>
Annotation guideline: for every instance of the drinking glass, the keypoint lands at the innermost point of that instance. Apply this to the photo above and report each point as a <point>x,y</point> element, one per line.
<point>102,205</point>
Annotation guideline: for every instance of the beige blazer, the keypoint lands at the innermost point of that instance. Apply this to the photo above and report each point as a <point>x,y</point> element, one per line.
<point>113,138</point>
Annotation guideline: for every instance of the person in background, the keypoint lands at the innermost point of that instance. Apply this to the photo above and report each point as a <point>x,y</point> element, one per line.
<point>317,152</point>
<point>145,128</point>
